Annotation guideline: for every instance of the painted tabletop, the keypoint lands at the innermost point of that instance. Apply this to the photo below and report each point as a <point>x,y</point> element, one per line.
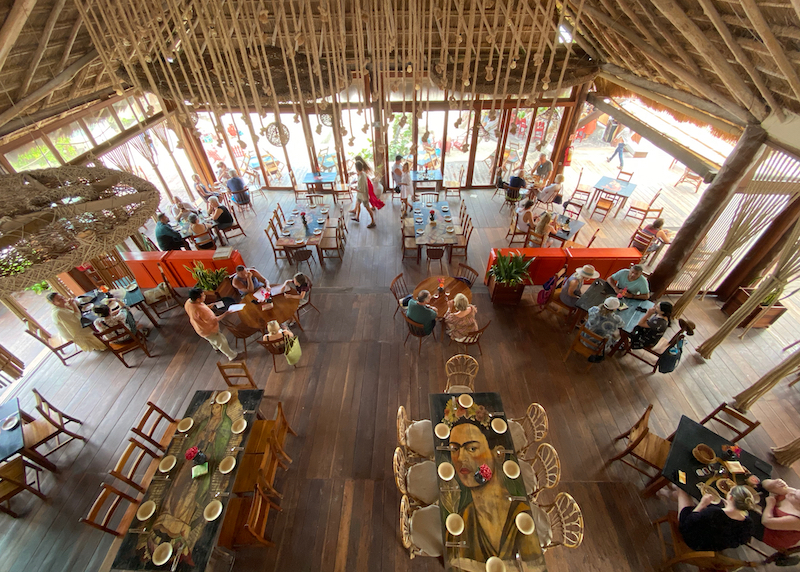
<point>294,229</point>
<point>131,299</point>
<point>11,441</point>
<point>434,234</point>
<point>611,185</point>
<point>597,293</point>
<point>419,176</point>
<point>313,178</point>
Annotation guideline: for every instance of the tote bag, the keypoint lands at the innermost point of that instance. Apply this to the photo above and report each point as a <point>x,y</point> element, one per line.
<point>292,350</point>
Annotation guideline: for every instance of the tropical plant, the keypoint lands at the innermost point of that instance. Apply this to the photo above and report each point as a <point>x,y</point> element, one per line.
<point>511,269</point>
<point>770,299</point>
<point>39,288</point>
<point>400,140</point>
<point>208,280</point>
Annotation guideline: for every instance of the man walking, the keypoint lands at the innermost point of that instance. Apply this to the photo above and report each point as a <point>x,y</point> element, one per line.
<point>206,324</point>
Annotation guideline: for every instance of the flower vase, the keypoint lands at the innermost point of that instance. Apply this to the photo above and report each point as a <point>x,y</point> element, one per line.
<point>200,458</point>
<point>479,478</point>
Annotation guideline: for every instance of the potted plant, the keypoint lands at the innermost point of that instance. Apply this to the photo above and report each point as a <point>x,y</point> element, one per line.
<point>506,278</point>
<point>758,317</point>
<point>208,279</point>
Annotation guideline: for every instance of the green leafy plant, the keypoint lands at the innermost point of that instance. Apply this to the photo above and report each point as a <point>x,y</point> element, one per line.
<point>39,288</point>
<point>208,280</point>
<point>770,299</point>
<point>400,139</point>
<point>511,269</point>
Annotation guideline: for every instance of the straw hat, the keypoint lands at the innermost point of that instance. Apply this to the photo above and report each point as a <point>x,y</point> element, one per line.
<point>611,303</point>
<point>588,271</point>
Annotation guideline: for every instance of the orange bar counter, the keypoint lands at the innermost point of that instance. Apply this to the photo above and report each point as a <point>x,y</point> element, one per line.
<point>145,269</point>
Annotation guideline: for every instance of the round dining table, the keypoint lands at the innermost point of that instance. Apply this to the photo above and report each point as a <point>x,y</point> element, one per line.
<point>431,284</point>
<point>255,316</point>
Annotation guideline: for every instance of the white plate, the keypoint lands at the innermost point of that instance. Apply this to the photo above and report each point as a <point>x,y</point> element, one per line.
<point>446,471</point>
<point>10,423</point>
<point>450,229</point>
<point>324,211</point>
<point>428,204</point>
<point>418,219</point>
<point>238,426</point>
<point>420,231</point>
<point>286,233</point>
<point>166,464</point>
<point>454,524</point>
<point>442,431</point>
<point>162,553</point>
<point>85,299</point>
<point>465,400</point>
<point>226,465</point>
<point>212,510</point>
<point>312,206</point>
<point>499,425</point>
<point>289,222</point>
<point>318,231</point>
<point>525,523</point>
<point>448,218</point>
<point>300,241</point>
<point>511,469</point>
<point>417,211</point>
<point>224,397</point>
<point>87,308</point>
<point>495,564</point>
<point>146,510</point>
<point>445,209</point>
<point>185,424</point>
<point>295,212</point>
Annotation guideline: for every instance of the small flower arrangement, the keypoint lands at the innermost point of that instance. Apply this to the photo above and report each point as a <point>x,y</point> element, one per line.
<point>622,293</point>
<point>441,284</point>
<point>303,218</point>
<point>191,453</point>
<point>483,474</point>
<point>732,450</point>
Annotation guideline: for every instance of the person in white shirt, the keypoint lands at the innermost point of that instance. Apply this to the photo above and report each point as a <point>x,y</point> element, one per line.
<point>180,209</point>
<point>405,187</point>
<point>397,172</point>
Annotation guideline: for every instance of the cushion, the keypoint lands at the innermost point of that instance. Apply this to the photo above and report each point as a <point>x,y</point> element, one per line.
<point>419,437</point>
<point>459,389</point>
<point>422,482</point>
<point>426,530</point>
<point>517,435</point>
<point>528,476</point>
<point>543,530</point>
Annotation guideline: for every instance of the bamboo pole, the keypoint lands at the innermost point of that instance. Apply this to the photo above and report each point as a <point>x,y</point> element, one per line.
<point>787,454</point>
<point>745,400</point>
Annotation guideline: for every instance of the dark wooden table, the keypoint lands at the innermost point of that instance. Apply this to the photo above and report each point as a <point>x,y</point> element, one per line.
<point>690,434</point>
<point>252,315</point>
<point>431,284</point>
<point>565,235</point>
<point>180,500</point>
<point>305,234</point>
<point>455,496</point>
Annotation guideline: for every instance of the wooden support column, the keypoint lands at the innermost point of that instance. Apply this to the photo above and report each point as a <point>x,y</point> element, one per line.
<point>567,129</point>
<point>711,203</point>
<point>762,253</point>
<point>196,154</point>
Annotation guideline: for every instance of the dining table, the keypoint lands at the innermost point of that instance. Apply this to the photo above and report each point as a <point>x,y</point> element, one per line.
<point>689,435</point>
<point>609,185</point>
<point>187,514</point>
<point>12,439</point>
<point>257,314</point>
<point>436,232</point>
<point>427,176</point>
<point>134,298</point>
<point>631,313</point>
<point>320,181</point>
<point>474,455</point>
<point>184,229</point>
<point>295,234</point>
<point>568,228</point>
<point>452,287</point>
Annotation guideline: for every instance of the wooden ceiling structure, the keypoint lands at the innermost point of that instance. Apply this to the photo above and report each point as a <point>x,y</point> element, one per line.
<point>736,60</point>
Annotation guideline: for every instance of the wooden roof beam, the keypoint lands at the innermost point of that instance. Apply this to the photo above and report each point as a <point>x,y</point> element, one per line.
<point>12,27</point>
<point>43,41</point>
<point>774,47</point>
<point>673,43</point>
<point>732,80</point>
<point>73,34</point>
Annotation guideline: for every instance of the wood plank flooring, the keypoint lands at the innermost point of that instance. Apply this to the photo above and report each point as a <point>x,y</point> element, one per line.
<point>340,502</point>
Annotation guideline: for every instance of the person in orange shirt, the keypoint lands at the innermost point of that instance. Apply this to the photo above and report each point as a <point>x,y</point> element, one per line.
<point>206,323</point>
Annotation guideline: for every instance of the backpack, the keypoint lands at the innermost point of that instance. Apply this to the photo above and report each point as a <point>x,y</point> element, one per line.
<point>669,359</point>
<point>547,289</point>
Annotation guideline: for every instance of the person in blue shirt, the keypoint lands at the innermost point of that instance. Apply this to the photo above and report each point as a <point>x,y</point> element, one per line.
<point>422,313</point>
<point>631,282</point>
<point>237,187</point>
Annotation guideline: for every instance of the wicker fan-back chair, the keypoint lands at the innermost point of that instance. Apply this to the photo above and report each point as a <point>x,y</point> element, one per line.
<point>405,528</point>
<point>566,521</point>
<point>461,370</point>
<point>402,425</point>
<point>535,425</point>
<point>546,467</point>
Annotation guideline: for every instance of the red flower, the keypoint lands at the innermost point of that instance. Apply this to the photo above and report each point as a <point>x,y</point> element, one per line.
<point>433,211</point>
<point>303,214</point>
<point>485,471</point>
<point>191,453</point>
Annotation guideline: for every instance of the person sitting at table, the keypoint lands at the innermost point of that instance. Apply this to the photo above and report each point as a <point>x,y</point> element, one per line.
<point>204,239</point>
<point>420,312</point>
<point>107,319</point>
<point>571,290</point>
<point>180,209</point>
<point>652,326</point>
<point>516,181</point>
<point>222,172</point>
<point>167,237</point>
<point>604,321</point>
<point>550,192</point>
<point>545,224</point>
<point>525,216</point>
<point>301,286</point>
<point>655,229</point>
<point>67,320</point>
<point>712,527</point>
<point>460,318</point>
<point>543,168</point>
<point>201,189</point>
<point>779,525</point>
<point>238,188</point>
<point>631,283</point>
<point>275,333</point>
<point>220,213</point>
<point>248,280</point>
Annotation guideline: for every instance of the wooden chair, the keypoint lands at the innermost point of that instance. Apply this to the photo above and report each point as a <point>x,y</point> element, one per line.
<point>639,210</point>
<point>342,193</point>
<point>687,328</point>
<point>453,188</point>
<point>120,340</point>
<point>643,446</point>
<point>566,522</point>
<point>573,210</point>
<point>535,426</point>
<point>246,520</point>
<point>228,232</point>
<point>136,458</point>
<point>275,348</point>
<point>259,469</point>
<point>400,291</point>
<point>641,241</point>
<point>512,197</point>
<point>514,231</point>
<point>53,343</point>
<point>587,344</point>
<point>706,561</point>
<point>624,176</point>
<point>112,270</point>
<point>263,428</point>
<point>692,178</point>
<point>533,239</point>
<point>738,433</point>
<point>461,247</point>
<point>14,480</point>
<point>277,251</point>
<point>545,470</point>
<point>315,199</point>
<point>231,372</point>
<point>461,370</point>
<point>334,244</point>
<point>462,210</point>
<point>243,202</point>
<point>203,241</point>
<point>605,204</point>
<point>409,246</point>
<point>435,253</point>
<point>473,339</point>
<point>299,254</point>
<point>279,216</point>
<point>418,331</point>
<point>53,425</point>
<point>240,331</point>
<point>419,481</point>
<point>114,497</point>
<point>148,427</point>
<point>169,300</point>
<point>572,244</point>
<point>466,274</point>
<point>428,521</point>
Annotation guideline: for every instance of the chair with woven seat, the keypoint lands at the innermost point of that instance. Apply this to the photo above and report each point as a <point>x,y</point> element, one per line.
<point>533,239</point>
<point>421,529</point>
<point>53,425</point>
<point>277,251</point>
<point>514,231</point>
<point>643,446</point>
<point>242,201</point>
<point>415,437</point>
<point>566,522</point>
<point>587,344</point>
<point>331,246</point>
<point>120,340</point>
<point>260,468</point>
<point>641,241</point>
<point>400,291</point>
<point>732,414</point>
<point>453,188</point>
<point>228,232</point>
<point>276,348</point>
<point>605,204</point>
<point>234,371</point>
<point>14,480</point>
<point>529,429</point>
<point>461,370</point>
<point>263,428</point>
<point>418,331</point>
<point>687,328</point>
<point>641,210</point>
<point>114,498</point>
<point>691,178</point>
<point>512,197</point>
<point>152,431</point>
<point>542,471</point>
<point>240,331</point>
<point>472,339</point>
<point>136,466</point>
<point>299,254</point>
<point>418,481</point>
<point>435,253</point>
<point>466,274</point>
<point>53,343</point>
<point>409,246</point>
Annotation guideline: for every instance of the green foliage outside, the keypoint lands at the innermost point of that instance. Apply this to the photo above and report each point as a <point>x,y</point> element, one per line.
<point>400,138</point>
<point>39,288</point>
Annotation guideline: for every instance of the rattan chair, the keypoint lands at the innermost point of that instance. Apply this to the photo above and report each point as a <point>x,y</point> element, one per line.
<point>428,519</point>
<point>461,370</point>
<point>421,445</point>
<point>544,473</point>
<point>643,446</point>
<point>418,481</point>
<point>566,522</point>
<point>535,426</point>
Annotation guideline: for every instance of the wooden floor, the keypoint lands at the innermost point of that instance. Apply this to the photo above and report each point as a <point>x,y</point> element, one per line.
<point>341,505</point>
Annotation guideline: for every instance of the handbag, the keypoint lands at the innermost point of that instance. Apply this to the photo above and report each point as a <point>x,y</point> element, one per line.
<point>598,359</point>
<point>291,349</point>
<point>669,359</point>
<point>559,199</point>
